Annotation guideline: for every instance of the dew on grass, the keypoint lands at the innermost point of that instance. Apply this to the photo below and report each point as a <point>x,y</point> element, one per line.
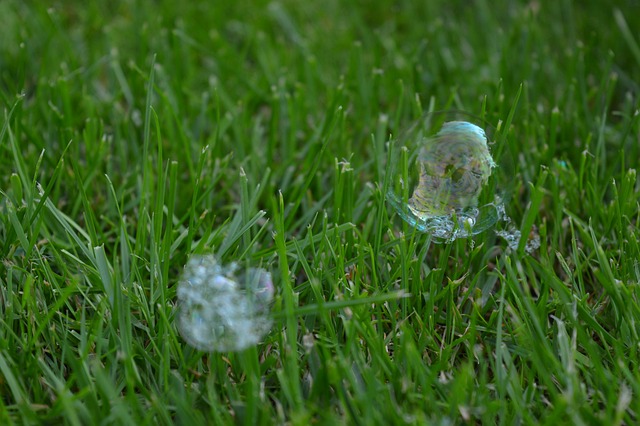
<point>445,180</point>
<point>223,308</point>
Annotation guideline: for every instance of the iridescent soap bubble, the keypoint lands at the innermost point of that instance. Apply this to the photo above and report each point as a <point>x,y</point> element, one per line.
<point>223,308</point>
<point>443,177</point>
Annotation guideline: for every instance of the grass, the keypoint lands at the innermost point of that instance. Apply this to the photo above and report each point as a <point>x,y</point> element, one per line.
<point>136,133</point>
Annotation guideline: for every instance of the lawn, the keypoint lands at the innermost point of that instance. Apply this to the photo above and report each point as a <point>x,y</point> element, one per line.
<point>137,133</point>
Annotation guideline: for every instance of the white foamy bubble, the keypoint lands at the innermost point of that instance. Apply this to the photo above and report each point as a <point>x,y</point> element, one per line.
<point>221,310</point>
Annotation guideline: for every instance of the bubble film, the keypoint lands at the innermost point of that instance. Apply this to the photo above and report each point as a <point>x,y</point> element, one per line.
<point>439,183</point>
<point>223,309</point>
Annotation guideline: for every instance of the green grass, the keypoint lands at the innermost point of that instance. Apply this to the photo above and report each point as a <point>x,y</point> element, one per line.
<point>136,133</point>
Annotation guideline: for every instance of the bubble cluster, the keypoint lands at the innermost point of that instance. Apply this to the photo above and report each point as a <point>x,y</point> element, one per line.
<point>439,186</point>
<point>222,308</point>
<point>512,235</point>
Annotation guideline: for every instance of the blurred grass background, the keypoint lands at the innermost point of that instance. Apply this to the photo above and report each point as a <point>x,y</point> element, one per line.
<point>135,133</point>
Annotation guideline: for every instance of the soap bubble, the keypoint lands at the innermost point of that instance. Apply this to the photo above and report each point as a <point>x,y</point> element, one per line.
<point>449,178</point>
<point>222,308</point>
<point>444,178</point>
